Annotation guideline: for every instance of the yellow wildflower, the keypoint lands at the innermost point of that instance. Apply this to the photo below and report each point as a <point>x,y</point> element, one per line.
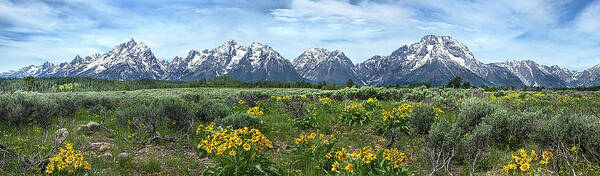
<point>349,167</point>
<point>335,166</point>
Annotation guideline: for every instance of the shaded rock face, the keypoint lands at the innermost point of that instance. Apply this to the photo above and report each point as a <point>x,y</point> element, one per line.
<point>434,60</point>
<point>318,65</point>
<point>257,62</point>
<point>535,75</point>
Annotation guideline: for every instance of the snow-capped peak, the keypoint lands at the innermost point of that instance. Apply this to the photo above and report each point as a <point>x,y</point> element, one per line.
<point>432,59</point>
<point>319,64</point>
<point>432,48</point>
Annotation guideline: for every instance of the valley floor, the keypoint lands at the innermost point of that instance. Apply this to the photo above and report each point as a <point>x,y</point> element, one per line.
<point>353,131</point>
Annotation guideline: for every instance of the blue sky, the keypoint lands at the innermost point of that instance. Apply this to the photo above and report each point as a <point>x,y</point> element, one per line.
<point>565,33</point>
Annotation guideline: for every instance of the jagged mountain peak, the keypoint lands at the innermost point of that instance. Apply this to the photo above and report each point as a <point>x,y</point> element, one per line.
<point>319,64</point>
<point>445,42</point>
<point>432,49</point>
<point>130,47</point>
<point>432,59</point>
<point>260,46</point>
<point>320,50</point>
<point>229,44</point>
<point>257,62</point>
<point>432,39</point>
<point>536,75</point>
<point>322,53</point>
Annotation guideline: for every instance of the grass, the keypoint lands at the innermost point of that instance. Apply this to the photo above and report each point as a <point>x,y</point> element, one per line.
<point>180,157</point>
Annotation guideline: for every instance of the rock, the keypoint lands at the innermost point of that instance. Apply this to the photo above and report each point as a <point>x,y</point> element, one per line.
<point>61,135</point>
<point>82,128</point>
<point>104,147</point>
<point>106,155</point>
<point>93,126</point>
<point>123,155</point>
<point>96,144</point>
<point>100,146</point>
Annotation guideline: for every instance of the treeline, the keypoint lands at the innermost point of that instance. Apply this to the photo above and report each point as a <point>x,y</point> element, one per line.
<point>73,84</point>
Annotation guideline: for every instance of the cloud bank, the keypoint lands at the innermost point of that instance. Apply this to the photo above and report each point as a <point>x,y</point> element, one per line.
<point>550,32</point>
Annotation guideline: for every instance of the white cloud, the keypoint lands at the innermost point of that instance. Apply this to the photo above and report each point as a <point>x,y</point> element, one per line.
<point>333,11</point>
<point>589,21</point>
<point>39,18</point>
<point>494,30</point>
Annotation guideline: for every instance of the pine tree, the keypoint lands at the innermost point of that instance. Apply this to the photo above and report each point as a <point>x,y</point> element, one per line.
<point>455,82</point>
<point>350,83</point>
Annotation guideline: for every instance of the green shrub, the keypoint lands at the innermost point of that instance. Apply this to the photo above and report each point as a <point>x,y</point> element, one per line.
<point>444,136</point>
<point>4,98</point>
<point>44,109</point>
<point>422,118</point>
<point>66,104</point>
<point>367,92</point>
<point>179,112</point>
<point>442,145</point>
<point>240,120</point>
<point>193,97</point>
<point>19,107</point>
<point>511,128</point>
<point>142,117</point>
<point>473,110</point>
<point>207,110</point>
<point>570,129</point>
<point>250,97</point>
<point>474,144</point>
<point>306,122</point>
<point>295,106</point>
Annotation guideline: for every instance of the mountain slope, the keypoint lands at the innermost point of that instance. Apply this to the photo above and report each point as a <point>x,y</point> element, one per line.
<point>320,65</point>
<point>589,77</point>
<point>434,60</point>
<point>535,75</point>
<point>257,62</point>
<point>127,61</point>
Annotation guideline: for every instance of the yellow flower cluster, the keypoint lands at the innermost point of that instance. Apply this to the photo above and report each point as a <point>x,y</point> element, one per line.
<point>280,98</point>
<point>511,95</point>
<point>393,155</point>
<point>68,160</point>
<point>241,102</point>
<point>514,97</point>
<point>208,128</point>
<point>358,107</point>
<point>304,139</point>
<point>365,155</point>
<point>256,111</point>
<point>438,111</point>
<point>222,141</point>
<point>402,111</point>
<point>371,100</point>
<point>324,100</point>
<point>546,155</point>
<point>523,161</point>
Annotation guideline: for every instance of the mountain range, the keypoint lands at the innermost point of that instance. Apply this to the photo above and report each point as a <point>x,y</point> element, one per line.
<point>433,59</point>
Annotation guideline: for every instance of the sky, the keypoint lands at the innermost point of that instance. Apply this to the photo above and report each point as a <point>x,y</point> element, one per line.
<point>550,32</point>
